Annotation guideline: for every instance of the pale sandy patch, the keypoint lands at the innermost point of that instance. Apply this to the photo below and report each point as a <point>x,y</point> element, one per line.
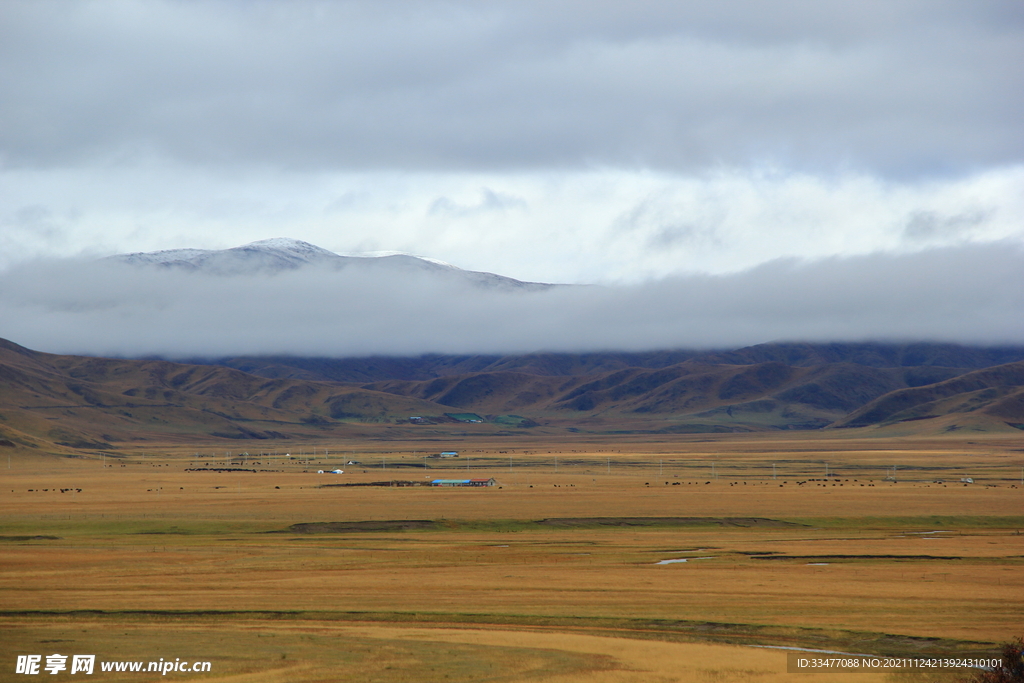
<point>639,661</point>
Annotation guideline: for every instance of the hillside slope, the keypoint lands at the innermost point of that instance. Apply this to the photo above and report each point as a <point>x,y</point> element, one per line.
<point>381,368</point>
<point>761,396</point>
<point>997,392</point>
<point>82,402</point>
<point>76,402</point>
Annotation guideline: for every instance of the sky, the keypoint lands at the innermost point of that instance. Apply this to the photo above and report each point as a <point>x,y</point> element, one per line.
<point>644,147</point>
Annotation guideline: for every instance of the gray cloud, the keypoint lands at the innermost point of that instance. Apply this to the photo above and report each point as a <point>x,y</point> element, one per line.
<point>489,201</point>
<point>965,294</point>
<point>898,87</point>
<point>929,225</point>
<point>668,225</point>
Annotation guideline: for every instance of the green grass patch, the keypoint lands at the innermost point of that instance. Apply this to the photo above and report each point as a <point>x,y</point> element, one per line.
<point>553,523</point>
<point>514,421</point>
<point>465,417</point>
<point>923,523</point>
<point>53,531</point>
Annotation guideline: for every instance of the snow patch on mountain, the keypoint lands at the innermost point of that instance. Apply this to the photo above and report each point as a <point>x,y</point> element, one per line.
<point>381,254</point>
<point>284,254</point>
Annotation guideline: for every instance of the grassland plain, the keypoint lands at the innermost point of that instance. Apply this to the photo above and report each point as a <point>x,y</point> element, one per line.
<point>558,573</point>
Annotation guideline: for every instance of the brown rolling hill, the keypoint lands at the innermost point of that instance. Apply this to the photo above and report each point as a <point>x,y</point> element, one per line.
<point>996,392</point>
<point>688,394</point>
<point>69,403</point>
<point>75,402</point>
<point>431,366</point>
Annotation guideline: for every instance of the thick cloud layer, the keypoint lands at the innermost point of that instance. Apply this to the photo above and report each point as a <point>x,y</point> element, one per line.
<point>972,294</point>
<point>898,86</point>
<point>557,141</point>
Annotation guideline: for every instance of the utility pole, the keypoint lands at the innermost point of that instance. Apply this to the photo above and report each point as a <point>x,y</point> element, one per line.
<point>773,471</point>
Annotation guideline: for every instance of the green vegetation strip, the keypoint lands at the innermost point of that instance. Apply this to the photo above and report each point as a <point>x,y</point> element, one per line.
<point>523,525</point>
<point>41,530</point>
<point>935,522</point>
<point>868,642</point>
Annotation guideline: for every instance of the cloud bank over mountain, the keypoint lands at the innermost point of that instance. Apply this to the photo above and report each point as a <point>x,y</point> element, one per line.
<point>971,294</point>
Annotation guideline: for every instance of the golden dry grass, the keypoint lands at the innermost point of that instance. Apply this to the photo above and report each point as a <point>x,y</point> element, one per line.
<point>150,536</point>
<point>258,652</point>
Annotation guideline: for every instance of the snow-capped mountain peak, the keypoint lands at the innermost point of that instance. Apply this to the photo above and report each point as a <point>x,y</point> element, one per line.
<point>283,254</point>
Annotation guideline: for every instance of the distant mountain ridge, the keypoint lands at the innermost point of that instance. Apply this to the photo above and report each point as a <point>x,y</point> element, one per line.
<point>283,254</point>
<point>50,401</point>
<point>431,366</point>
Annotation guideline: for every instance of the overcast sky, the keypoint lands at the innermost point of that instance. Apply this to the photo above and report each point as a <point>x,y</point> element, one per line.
<point>628,144</point>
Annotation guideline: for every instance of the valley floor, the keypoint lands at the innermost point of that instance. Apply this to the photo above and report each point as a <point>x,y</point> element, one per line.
<point>567,574</point>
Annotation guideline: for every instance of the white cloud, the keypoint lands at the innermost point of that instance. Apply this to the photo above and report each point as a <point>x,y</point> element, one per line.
<point>597,226</point>
<point>969,294</point>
